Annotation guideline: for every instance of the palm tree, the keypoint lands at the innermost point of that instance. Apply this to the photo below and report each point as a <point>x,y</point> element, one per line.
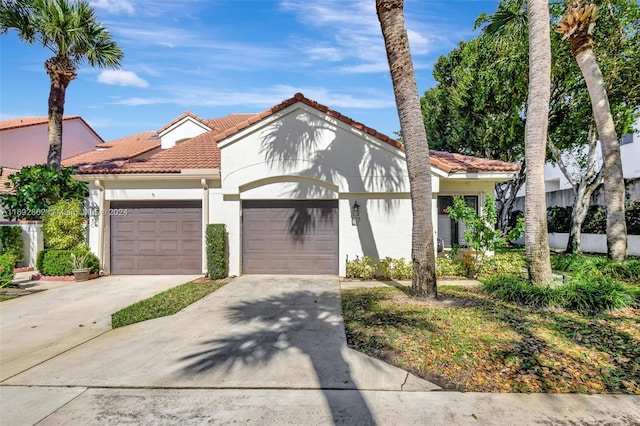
<point>577,25</point>
<point>70,29</point>
<point>535,215</point>
<point>390,15</point>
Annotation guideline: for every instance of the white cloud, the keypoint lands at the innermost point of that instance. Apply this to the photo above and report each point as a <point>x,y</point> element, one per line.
<point>114,6</point>
<point>260,98</point>
<point>121,78</point>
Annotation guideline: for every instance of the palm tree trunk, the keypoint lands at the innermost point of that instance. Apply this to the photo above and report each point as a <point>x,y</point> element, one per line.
<point>391,18</point>
<point>61,71</point>
<point>612,164</point>
<point>535,215</point>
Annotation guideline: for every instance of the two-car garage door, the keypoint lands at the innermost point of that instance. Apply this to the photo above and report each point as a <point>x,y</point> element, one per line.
<point>156,237</point>
<point>278,237</point>
<point>290,237</point>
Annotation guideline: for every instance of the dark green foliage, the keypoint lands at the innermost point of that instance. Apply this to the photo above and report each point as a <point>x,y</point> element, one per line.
<point>53,262</point>
<point>11,243</point>
<point>586,265</point>
<point>591,294</point>
<point>559,218</point>
<point>517,289</point>
<point>217,251</point>
<point>6,269</point>
<point>39,259</point>
<point>583,293</point>
<point>38,187</point>
<point>632,213</point>
<point>596,220</point>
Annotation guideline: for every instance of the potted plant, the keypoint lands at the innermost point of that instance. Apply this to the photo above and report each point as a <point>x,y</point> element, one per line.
<point>79,267</point>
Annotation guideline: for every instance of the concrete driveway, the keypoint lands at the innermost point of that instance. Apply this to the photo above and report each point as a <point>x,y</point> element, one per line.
<point>256,332</point>
<point>262,350</point>
<point>40,326</point>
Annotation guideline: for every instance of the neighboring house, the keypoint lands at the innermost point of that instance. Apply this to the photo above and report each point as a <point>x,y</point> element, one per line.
<point>559,190</point>
<point>300,188</point>
<point>25,141</point>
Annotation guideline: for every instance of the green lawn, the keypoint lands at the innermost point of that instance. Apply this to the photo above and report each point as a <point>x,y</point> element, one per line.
<point>166,303</point>
<point>468,341</point>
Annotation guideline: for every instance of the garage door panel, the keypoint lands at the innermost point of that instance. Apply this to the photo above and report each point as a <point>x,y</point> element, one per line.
<point>156,238</point>
<point>290,237</point>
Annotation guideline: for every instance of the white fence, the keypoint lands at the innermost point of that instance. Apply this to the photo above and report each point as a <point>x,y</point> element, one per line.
<point>590,243</point>
<point>32,240</point>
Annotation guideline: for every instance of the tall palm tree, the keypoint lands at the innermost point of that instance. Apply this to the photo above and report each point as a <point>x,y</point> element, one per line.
<point>390,15</point>
<point>535,214</point>
<point>577,25</point>
<point>70,29</point>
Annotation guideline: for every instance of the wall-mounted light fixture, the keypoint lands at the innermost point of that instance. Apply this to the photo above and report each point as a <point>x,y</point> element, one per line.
<point>355,213</point>
<point>92,211</point>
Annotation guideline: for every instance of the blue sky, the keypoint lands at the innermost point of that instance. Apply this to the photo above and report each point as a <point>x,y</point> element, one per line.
<point>216,57</point>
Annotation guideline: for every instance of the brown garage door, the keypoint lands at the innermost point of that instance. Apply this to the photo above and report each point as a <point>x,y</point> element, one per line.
<point>156,238</point>
<point>290,237</point>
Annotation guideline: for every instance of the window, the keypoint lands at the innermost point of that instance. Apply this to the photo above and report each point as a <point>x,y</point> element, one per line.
<point>628,138</point>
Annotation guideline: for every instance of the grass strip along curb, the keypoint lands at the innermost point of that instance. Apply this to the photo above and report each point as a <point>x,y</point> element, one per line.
<point>166,303</point>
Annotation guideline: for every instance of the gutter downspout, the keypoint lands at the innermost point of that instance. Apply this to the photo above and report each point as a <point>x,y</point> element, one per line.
<point>101,216</point>
<point>205,221</point>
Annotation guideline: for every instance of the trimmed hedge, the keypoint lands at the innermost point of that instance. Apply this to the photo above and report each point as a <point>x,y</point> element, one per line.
<point>559,219</point>
<point>217,262</point>
<point>11,243</point>
<point>53,262</point>
<point>6,269</point>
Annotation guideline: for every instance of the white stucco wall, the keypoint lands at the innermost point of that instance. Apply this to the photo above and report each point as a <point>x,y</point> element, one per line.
<point>629,154</point>
<point>186,128</point>
<point>302,154</point>
<point>26,146</point>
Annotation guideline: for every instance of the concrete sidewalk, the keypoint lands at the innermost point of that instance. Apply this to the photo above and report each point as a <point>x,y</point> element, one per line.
<point>39,326</point>
<point>100,406</point>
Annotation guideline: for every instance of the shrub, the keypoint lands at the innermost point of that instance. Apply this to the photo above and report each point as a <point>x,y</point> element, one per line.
<point>63,225</point>
<point>503,263</point>
<point>592,294</point>
<point>480,231</point>
<point>632,213</point>
<point>401,269</point>
<point>11,243</point>
<point>516,289</point>
<point>450,267</point>
<point>597,266</point>
<point>39,259</point>
<point>58,262</point>
<point>6,269</point>
<point>36,188</point>
<point>586,294</point>
<point>216,251</point>
<point>360,268</point>
<point>596,220</point>
<point>559,218</point>
<point>395,269</point>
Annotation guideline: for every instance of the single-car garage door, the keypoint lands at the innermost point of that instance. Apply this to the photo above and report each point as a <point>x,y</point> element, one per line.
<point>290,237</point>
<point>156,237</point>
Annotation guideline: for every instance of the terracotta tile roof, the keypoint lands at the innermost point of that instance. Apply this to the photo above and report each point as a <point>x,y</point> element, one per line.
<point>16,123</point>
<point>451,162</point>
<point>227,122</point>
<point>117,150</point>
<point>4,178</point>
<point>203,152</point>
<point>182,116</point>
